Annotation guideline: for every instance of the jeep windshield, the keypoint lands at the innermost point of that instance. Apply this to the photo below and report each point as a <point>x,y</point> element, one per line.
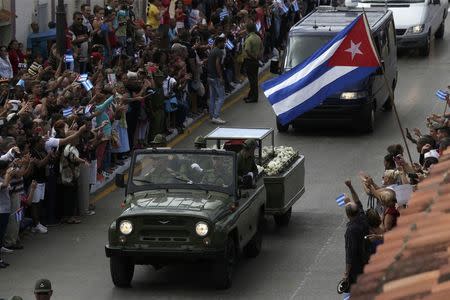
<point>172,169</point>
<point>303,46</point>
<point>392,1</point>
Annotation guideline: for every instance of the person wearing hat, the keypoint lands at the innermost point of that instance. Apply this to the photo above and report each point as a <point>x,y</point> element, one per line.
<point>43,289</point>
<point>200,142</point>
<point>246,165</point>
<point>252,51</point>
<point>159,141</point>
<point>158,123</point>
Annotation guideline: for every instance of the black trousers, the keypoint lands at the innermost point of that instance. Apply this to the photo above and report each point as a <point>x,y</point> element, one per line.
<point>251,67</point>
<point>4,220</point>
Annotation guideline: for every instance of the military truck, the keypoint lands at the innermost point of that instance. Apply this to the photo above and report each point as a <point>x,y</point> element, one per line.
<point>184,205</point>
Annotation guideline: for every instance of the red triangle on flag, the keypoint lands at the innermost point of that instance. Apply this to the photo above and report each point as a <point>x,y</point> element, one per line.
<point>357,48</point>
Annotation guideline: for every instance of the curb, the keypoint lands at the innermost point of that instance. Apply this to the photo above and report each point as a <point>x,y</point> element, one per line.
<point>103,189</point>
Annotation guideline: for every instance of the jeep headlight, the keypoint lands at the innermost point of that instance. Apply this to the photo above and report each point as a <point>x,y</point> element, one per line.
<point>353,95</point>
<point>416,29</point>
<point>201,228</point>
<point>126,227</point>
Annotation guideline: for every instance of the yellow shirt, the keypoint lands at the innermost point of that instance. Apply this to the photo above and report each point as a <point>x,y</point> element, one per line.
<point>153,17</point>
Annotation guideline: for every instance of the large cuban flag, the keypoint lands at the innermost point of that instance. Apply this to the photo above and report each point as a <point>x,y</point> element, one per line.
<point>348,58</point>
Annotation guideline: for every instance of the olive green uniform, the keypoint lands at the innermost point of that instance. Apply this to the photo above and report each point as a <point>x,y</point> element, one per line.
<point>246,164</point>
<point>158,115</point>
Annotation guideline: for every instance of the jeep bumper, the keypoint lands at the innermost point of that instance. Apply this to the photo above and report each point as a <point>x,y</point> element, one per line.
<point>147,256</point>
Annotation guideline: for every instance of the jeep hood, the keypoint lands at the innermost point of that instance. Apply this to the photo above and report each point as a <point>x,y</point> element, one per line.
<point>197,204</point>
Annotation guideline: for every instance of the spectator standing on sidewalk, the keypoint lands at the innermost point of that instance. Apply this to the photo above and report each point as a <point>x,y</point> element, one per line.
<point>80,42</point>
<point>216,81</point>
<point>6,174</point>
<point>252,52</point>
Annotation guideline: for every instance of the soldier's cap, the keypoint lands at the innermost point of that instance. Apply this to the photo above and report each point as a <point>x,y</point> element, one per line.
<point>249,144</point>
<point>200,140</point>
<point>43,286</point>
<point>16,298</point>
<point>159,139</point>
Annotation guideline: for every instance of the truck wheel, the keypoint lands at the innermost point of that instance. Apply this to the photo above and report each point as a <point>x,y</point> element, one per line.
<point>425,51</point>
<point>122,271</point>
<point>282,128</point>
<point>224,267</point>
<point>440,32</point>
<point>283,220</point>
<point>253,248</point>
<point>367,123</point>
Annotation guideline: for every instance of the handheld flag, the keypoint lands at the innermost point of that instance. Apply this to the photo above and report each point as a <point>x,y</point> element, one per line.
<point>340,200</point>
<point>295,6</point>
<point>229,45</point>
<point>67,112</point>
<point>19,215</point>
<point>348,58</point>
<point>258,26</point>
<point>85,82</point>
<point>223,14</point>
<point>442,95</point>
<point>211,42</point>
<point>82,77</point>
<point>284,9</point>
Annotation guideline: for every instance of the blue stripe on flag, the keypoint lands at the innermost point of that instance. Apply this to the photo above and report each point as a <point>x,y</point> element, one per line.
<point>87,85</point>
<point>82,77</point>
<point>67,112</point>
<point>211,42</point>
<point>223,14</point>
<point>308,84</point>
<point>442,95</point>
<point>347,297</point>
<point>258,26</point>
<point>229,45</point>
<point>340,200</point>
<point>332,88</point>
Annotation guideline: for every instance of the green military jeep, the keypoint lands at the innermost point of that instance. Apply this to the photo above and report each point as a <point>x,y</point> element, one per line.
<point>183,205</point>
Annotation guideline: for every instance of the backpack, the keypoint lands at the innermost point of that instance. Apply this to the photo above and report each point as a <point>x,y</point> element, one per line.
<point>68,168</point>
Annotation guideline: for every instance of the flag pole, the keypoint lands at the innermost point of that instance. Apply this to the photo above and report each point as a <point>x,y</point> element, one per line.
<point>391,94</point>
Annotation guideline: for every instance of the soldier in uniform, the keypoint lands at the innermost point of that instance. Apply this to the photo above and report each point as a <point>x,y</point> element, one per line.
<point>159,141</point>
<point>200,142</point>
<point>158,123</point>
<point>246,160</point>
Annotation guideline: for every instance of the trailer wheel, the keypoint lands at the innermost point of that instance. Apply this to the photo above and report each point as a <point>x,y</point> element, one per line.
<point>283,220</point>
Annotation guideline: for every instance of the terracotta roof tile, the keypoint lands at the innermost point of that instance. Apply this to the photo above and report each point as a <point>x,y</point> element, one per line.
<point>413,262</point>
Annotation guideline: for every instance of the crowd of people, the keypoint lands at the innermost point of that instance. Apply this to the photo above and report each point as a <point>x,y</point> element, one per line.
<point>120,82</point>
<point>386,200</point>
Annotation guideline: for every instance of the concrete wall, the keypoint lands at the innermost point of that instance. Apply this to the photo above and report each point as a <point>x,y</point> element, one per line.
<point>28,11</point>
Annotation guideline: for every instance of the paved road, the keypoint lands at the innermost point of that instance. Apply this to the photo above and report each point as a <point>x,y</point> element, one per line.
<point>303,261</point>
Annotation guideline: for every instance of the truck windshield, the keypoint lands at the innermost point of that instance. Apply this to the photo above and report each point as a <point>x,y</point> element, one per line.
<point>303,46</point>
<point>391,1</point>
<point>184,170</point>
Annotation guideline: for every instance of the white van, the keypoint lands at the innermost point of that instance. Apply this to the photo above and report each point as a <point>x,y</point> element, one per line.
<point>416,21</point>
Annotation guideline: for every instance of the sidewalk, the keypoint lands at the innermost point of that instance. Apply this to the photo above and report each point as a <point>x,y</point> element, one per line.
<point>100,186</point>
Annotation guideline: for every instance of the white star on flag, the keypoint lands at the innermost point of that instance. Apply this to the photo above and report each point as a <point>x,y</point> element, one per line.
<point>354,49</point>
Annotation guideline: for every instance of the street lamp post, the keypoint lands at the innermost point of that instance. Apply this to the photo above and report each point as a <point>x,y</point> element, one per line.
<point>60,27</point>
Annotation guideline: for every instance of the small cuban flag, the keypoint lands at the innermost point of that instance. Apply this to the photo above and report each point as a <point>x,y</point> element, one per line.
<point>223,14</point>
<point>211,42</point>
<point>21,83</point>
<point>295,5</point>
<point>19,215</point>
<point>87,85</point>
<point>346,297</point>
<point>283,6</point>
<point>67,112</point>
<point>229,45</point>
<point>258,26</point>
<point>69,60</point>
<point>82,77</point>
<point>85,82</point>
<point>442,95</point>
<point>118,51</point>
<point>340,200</point>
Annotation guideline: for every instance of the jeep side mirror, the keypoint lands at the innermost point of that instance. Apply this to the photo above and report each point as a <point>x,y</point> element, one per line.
<point>120,180</point>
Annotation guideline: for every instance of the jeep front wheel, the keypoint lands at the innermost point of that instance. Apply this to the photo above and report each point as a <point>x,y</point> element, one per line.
<point>122,271</point>
<point>253,248</point>
<point>283,220</point>
<point>224,267</point>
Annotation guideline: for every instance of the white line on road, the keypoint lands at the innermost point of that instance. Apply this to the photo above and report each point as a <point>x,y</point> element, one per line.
<point>317,259</point>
